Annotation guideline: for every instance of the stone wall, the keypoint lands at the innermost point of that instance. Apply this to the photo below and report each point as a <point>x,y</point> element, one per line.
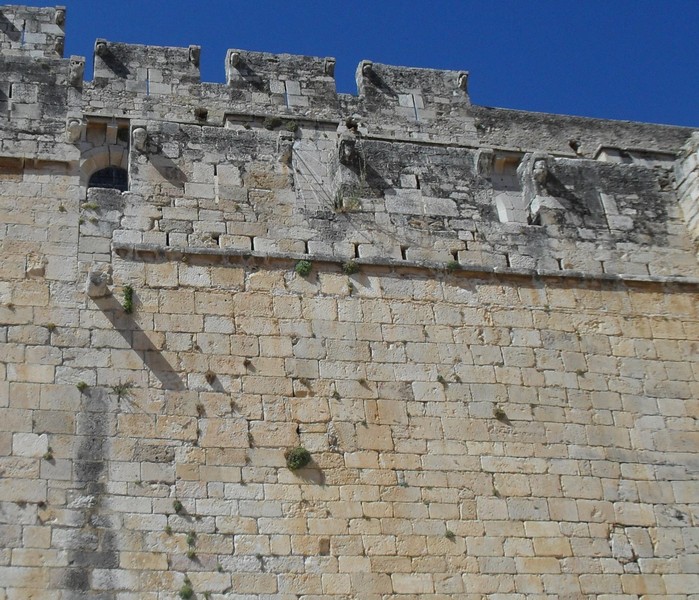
<point>687,177</point>
<point>481,324</point>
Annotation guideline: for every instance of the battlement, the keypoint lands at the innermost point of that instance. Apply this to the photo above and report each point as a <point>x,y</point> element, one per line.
<point>412,93</point>
<point>293,80</point>
<point>29,31</point>
<point>146,69</point>
<point>422,173</point>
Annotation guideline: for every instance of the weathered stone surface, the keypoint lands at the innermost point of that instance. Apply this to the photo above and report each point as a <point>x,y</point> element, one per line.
<point>490,356</point>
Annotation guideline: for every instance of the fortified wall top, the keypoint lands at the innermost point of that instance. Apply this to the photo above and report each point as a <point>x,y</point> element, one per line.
<point>275,161</point>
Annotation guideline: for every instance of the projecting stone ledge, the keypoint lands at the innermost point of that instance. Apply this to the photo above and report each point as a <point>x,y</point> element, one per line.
<point>232,256</point>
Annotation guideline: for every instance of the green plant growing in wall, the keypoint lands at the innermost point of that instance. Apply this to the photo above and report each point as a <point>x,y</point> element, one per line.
<point>186,591</point>
<point>122,389</point>
<point>450,535</point>
<point>500,414</point>
<point>82,386</point>
<point>177,506</point>
<point>291,126</point>
<point>303,268</point>
<point>271,123</point>
<point>453,265</point>
<point>350,267</point>
<point>297,458</point>
<point>48,455</point>
<point>128,299</point>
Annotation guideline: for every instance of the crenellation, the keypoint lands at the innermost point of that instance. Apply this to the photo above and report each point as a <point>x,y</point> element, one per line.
<point>282,81</point>
<point>149,70</point>
<point>415,99</point>
<point>482,324</point>
<point>32,32</point>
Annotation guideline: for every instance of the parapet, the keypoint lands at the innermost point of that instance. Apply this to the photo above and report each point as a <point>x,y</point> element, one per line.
<point>275,160</point>
<point>414,93</point>
<point>430,104</point>
<point>148,69</point>
<point>290,80</point>
<point>31,31</point>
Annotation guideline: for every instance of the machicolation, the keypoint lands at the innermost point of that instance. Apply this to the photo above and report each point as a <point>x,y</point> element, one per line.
<point>259,339</point>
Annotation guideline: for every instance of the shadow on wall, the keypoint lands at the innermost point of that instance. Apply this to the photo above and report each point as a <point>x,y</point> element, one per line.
<point>139,343</point>
<point>110,60</point>
<point>9,29</point>
<point>93,546</point>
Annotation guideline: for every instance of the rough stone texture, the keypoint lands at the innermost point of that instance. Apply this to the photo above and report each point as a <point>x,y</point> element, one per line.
<point>687,181</point>
<point>493,360</point>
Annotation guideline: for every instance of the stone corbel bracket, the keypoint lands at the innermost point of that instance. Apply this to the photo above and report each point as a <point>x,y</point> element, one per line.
<point>98,282</point>
<point>139,139</point>
<point>74,130</point>
<point>77,71</point>
<point>348,154</point>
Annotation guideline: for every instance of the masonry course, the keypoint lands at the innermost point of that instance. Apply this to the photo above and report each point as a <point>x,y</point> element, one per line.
<point>492,361</point>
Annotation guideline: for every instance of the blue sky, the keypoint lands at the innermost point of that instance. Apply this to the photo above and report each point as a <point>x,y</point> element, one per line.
<point>617,59</point>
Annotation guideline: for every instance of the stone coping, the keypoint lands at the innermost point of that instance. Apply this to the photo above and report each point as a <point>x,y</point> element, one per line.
<point>143,251</point>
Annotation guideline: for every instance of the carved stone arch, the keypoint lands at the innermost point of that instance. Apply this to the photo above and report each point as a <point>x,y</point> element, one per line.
<point>100,158</point>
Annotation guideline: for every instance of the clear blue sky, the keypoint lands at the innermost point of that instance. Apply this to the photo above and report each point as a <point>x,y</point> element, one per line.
<point>617,59</point>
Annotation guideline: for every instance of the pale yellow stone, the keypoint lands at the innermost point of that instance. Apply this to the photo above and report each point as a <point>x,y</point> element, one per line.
<point>143,561</point>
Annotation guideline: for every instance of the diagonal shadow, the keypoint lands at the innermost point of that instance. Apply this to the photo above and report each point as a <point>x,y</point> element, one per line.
<point>130,331</point>
<point>381,84</point>
<point>9,28</point>
<point>250,76</point>
<point>115,64</point>
<point>169,170</point>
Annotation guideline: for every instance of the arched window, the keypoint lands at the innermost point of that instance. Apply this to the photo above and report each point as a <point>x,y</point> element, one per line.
<point>113,178</point>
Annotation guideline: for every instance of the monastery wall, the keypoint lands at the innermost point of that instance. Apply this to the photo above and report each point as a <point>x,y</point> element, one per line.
<point>481,324</point>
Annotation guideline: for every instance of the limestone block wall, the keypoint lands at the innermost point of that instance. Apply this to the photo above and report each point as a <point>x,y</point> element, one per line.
<point>145,69</point>
<point>36,106</point>
<point>480,325</point>
<point>469,435</point>
<point>687,176</point>
<point>304,188</point>
<point>31,31</point>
